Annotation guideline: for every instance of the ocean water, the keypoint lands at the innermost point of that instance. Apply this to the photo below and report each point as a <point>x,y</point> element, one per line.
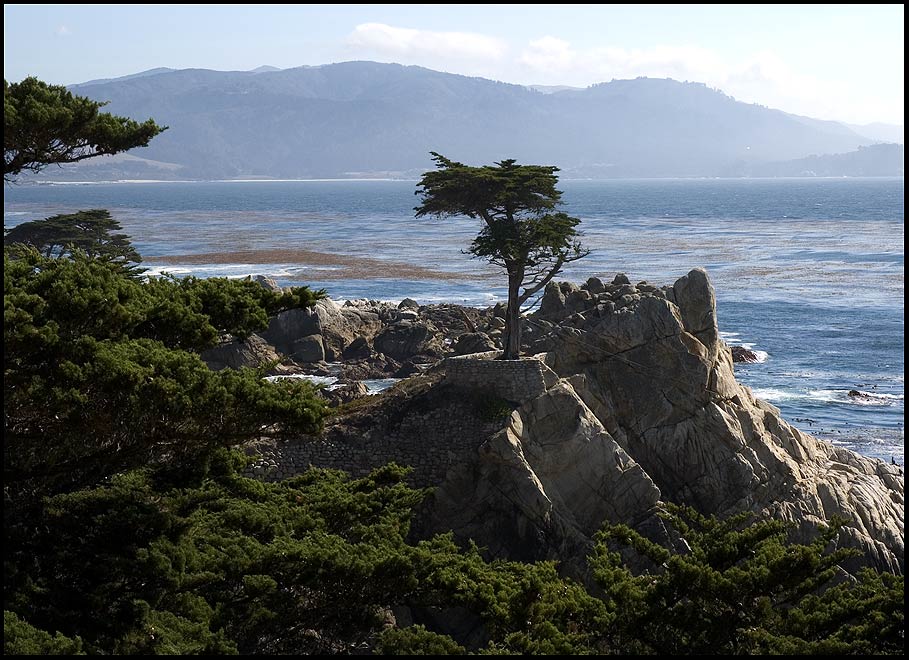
<point>808,272</point>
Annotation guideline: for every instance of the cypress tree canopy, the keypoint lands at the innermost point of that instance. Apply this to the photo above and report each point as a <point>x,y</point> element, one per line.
<point>47,124</point>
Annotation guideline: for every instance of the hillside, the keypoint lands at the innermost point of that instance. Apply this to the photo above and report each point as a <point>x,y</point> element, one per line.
<point>364,119</point>
<point>875,160</point>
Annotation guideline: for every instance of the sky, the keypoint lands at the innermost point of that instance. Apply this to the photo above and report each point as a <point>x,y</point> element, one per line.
<point>841,62</point>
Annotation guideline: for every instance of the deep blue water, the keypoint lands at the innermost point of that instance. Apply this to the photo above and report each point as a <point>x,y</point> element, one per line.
<point>808,271</point>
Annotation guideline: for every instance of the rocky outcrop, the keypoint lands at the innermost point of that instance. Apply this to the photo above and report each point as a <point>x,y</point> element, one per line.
<point>380,333</point>
<point>345,393</point>
<point>474,342</point>
<point>660,380</point>
<point>544,485</point>
<point>638,406</point>
<point>405,339</point>
<point>742,354</point>
<point>253,352</point>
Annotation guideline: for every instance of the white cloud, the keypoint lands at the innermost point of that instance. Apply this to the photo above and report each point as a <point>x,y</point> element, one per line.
<point>758,77</point>
<point>761,77</point>
<point>549,54</point>
<point>408,44</point>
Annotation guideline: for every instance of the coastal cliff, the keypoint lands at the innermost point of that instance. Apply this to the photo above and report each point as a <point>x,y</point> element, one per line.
<point>629,402</point>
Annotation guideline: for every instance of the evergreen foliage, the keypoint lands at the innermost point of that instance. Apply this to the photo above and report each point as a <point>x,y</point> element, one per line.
<point>88,231</point>
<point>21,638</point>
<point>742,589</point>
<point>197,559</point>
<point>46,124</point>
<point>99,377</point>
<point>522,232</point>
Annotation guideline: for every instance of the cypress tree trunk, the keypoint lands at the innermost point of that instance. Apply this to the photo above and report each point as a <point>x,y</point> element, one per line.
<point>512,339</point>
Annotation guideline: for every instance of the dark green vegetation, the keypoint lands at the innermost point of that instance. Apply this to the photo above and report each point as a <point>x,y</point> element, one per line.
<point>88,231</point>
<point>129,530</point>
<point>102,373</point>
<point>522,232</point>
<point>46,125</point>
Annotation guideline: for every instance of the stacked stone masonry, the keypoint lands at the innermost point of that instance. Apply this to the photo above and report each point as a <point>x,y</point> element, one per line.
<point>513,380</point>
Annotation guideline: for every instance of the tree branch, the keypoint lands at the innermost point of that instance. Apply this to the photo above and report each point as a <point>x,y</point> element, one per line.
<point>539,285</point>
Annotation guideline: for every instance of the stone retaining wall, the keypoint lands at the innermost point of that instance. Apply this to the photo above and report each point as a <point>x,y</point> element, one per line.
<point>513,380</point>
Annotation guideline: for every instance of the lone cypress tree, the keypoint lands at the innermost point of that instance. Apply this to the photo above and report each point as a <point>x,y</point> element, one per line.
<point>523,232</point>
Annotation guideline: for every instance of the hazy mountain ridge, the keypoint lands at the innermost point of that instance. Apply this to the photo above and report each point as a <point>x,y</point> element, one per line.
<point>880,132</point>
<point>371,119</point>
<point>874,160</point>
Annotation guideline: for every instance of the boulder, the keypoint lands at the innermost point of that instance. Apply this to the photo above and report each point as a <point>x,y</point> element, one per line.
<point>577,301</point>
<point>308,349</point>
<point>408,369</point>
<point>345,394</point>
<point>742,354</point>
<point>288,326</point>
<point>695,298</point>
<point>474,342</point>
<point>403,340</point>
<point>595,286</point>
<point>266,282</point>
<point>358,349</point>
<point>253,352</point>
<point>409,303</point>
<point>553,303</point>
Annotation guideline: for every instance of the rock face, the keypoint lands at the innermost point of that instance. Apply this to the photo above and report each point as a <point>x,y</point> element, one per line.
<point>308,349</point>
<point>474,342</point>
<point>657,376</point>
<point>252,352</point>
<point>405,339</point>
<point>638,406</point>
<point>383,333</point>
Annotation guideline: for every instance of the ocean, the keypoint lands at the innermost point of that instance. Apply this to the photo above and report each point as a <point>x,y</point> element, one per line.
<point>808,272</point>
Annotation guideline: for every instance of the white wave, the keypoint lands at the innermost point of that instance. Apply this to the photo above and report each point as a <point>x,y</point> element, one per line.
<point>378,385</point>
<point>373,386</point>
<point>158,271</point>
<point>828,396</point>
<point>234,271</point>
<point>770,394</point>
<point>861,399</point>
<point>315,380</point>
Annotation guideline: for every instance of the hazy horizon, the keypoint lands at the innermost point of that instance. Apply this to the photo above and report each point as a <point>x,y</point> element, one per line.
<point>833,62</point>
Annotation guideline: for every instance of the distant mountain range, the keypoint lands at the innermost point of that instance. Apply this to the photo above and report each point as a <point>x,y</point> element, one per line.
<point>365,119</point>
<point>876,160</point>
